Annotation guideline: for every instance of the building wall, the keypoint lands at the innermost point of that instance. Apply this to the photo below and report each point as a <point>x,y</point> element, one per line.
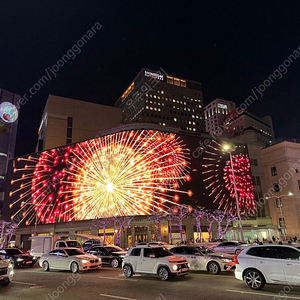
<point>284,159</point>
<point>87,120</point>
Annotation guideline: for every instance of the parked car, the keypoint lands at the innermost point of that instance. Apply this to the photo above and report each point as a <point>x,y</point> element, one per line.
<point>110,255</point>
<point>69,259</point>
<point>17,258</point>
<point>154,260</point>
<point>201,259</point>
<point>6,272</point>
<point>268,264</point>
<point>230,247</point>
<point>90,243</point>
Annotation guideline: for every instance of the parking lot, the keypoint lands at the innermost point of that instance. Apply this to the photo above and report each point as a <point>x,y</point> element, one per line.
<point>109,283</point>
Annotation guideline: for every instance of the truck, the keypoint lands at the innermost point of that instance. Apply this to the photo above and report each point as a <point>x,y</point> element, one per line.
<point>43,244</point>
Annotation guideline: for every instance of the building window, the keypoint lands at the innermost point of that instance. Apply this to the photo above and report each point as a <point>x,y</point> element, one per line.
<point>273,171</point>
<point>176,82</point>
<point>69,132</point>
<point>278,202</point>
<point>69,141</point>
<point>69,122</point>
<point>183,83</point>
<point>276,187</point>
<point>169,80</point>
<point>299,184</point>
<point>257,180</point>
<point>281,222</point>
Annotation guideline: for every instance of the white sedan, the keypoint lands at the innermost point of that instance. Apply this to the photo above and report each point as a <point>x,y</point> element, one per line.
<point>69,259</point>
<point>202,259</point>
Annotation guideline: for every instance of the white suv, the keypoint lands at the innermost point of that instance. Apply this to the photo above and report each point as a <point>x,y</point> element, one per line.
<point>268,264</point>
<point>6,272</point>
<point>154,260</point>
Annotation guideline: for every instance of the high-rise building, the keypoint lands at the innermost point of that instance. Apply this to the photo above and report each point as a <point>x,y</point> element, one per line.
<point>9,104</point>
<point>249,128</point>
<point>282,174</point>
<point>159,98</point>
<point>215,115</point>
<point>67,121</point>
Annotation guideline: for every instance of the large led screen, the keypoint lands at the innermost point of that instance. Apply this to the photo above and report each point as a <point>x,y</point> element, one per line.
<point>127,173</point>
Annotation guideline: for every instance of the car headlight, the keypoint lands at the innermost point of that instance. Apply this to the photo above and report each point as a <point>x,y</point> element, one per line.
<point>226,260</point>
<point>84,261</point>
<point>20,259</point>
<point>189,265</point>
<point>100,259</point>
<point>175,267</point>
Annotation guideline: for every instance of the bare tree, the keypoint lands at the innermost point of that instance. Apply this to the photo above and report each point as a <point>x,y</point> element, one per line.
<point>169,218</point>
<point>199,213</point>
<point>219,216</point>
<point>209,215</point>
<point>180,212</point>
<point>7,231</point>
<point>102,223</point>
<point>157,218</point>
<point>119,224</point>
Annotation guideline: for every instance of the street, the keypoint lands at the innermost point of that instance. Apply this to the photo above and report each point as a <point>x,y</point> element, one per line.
<point>108,283</point>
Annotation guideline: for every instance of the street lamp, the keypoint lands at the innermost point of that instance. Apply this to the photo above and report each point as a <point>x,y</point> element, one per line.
<point>229,148</point>
<point>281,215</point>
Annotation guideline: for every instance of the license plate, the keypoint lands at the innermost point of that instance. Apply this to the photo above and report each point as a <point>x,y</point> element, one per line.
<point>184,270</point>
<point>28,262</point>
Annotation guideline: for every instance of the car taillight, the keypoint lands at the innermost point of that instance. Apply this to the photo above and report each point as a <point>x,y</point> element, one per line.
<point>235,259</point>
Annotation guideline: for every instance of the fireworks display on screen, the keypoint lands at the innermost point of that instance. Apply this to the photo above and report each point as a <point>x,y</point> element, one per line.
<point>221,184</point>
<point>127,173</point>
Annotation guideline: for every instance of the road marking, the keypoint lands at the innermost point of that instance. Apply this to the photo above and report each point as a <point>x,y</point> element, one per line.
<point>117,297</point>
<point>114,278</point>
<point>23,282</point>
<point>261,294</point>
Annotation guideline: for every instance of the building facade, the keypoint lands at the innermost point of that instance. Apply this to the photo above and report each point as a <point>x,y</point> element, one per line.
<point>281,162</point>
<point>215,115</point>
<point>9,107</point>
<point>67,121</point>
<point>159,98</point>
<point>249,128</point>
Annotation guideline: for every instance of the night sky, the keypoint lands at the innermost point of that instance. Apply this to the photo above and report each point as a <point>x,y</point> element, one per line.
<point>232,47</point>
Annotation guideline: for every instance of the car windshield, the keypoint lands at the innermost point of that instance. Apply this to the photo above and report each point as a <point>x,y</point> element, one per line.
<point>114,249</point>
<point>161,252</point>
<point>73,244</point>
<point>13,251</point>
<point>72,252</point>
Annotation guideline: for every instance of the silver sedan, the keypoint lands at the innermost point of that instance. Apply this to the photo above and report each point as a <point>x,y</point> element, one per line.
<point>201,259</point>
<point>69,259</point>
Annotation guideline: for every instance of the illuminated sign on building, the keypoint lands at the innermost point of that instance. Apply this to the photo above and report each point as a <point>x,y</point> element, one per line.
<point>8,112</point>
<point>154,75</point>
<point>127,173</point>
<point>220,105</point>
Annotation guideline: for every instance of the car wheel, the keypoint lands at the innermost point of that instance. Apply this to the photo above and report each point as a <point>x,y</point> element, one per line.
<point>32,264</point>
<point>163,273</point>
<point>213,268</point>
<point>127,270</point>
<point>237,251</point>
<point>45,266</point>
<point>115,263</point>
<point>5,282</point>
<point>74,267</point>
<point>254,279</point>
